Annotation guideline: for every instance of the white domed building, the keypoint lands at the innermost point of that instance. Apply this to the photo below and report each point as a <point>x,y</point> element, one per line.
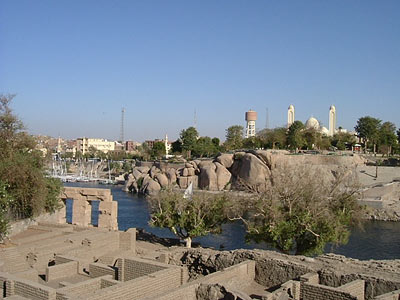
<point>313,123</point>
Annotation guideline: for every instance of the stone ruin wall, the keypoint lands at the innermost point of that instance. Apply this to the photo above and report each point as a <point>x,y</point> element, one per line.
<point>273,269</point>
<point>82,207</point>
<point>82,210</point>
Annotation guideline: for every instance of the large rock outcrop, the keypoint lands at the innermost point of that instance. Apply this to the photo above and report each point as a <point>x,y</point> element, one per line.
<point>249,171</point>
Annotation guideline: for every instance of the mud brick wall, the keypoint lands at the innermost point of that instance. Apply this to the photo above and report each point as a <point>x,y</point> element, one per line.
<point>62,270</point>
<point>32,290</point>
<point>134,268</point>
<point>61,259</point>
<point>105,283</point>
<point>244,271</point>
<point>127,240</point>
<point>74,291</point>
<point>98,270</point>
<point>146,286</point>
<point>31,275</point>
<point>355,288</point>
<point>389,296</point>
<point>311,291</point>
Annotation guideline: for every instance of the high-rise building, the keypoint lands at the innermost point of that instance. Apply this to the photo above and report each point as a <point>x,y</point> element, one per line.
<point>251,118</point>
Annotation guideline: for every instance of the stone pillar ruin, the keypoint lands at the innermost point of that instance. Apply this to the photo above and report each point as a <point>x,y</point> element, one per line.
<point>82,207</point>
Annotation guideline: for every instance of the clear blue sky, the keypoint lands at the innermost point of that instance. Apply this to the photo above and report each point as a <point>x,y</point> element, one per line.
<point>75,64</point>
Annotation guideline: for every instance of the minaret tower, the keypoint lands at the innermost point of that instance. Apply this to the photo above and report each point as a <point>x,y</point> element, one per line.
<point>290,115</point>
<point>251,118</point>
<point>332,120</point>
<point>166,145</point>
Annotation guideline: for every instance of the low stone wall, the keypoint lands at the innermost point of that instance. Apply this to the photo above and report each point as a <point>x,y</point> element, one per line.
<point>22,225</point>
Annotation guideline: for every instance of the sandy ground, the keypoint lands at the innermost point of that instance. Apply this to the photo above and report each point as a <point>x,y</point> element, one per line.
<point>367,174</point>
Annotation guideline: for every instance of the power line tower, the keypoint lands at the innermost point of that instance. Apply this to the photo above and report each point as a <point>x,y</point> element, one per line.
<point>122,125</point>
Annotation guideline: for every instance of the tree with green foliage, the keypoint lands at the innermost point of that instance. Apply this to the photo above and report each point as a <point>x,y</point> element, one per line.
<point>301,211</point>
<point>5,202</point>
<point>216,142</point>
<point>342,140</point>
<point>187,218</point>
<point>234,137</point>
<point>387,137</point>
<point>273,138</point>
<point>189,138</point>
<point>312,138</point>
<point>158,150</point>
<point>22,169</point>
<point>294,136</point>
<point>176,146</point>
<point>252,142</point>
<point>367,129</point>
<point>204,147</point>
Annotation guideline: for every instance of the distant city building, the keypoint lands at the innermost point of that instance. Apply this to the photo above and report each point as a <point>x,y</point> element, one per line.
<point>83,145</point>
<point>251,118</point>
<point>131,146</point>
<point>167,144</point>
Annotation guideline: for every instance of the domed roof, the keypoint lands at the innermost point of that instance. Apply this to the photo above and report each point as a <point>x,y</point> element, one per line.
<point>325,131</point>
<point>312,123</point>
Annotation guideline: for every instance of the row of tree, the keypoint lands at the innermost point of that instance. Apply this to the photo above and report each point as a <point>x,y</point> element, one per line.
<point>25,191</point>
<point>371,131</point>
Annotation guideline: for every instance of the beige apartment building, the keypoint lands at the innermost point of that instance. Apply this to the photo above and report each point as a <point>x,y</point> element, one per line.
<point>83,145</point>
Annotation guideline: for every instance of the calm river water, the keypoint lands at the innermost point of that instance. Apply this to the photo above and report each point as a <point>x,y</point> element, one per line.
<point>378,240</point>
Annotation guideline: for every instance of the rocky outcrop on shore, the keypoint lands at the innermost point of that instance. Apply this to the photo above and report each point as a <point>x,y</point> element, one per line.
<point>241,170</point>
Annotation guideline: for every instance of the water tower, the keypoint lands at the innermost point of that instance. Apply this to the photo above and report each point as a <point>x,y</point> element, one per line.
<point>251,118</point>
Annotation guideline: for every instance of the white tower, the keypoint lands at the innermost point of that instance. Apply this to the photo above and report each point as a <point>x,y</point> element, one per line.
<point>332,120</point>
<point>166,145</point>
<point>290,115</point>
<point>251,118</point>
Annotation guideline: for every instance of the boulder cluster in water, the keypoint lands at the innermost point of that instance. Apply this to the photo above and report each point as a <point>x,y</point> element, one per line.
<point>247,169</point>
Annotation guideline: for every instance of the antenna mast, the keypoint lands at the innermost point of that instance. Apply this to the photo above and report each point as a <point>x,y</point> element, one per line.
<point>267,119</point>
<point>122,125</point>
<point>195,119</point>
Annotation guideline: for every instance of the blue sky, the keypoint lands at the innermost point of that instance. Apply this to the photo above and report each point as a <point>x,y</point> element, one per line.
<point>75,64</point>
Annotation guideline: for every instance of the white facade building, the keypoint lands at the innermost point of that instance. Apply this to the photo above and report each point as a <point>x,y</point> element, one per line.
<point>83,145</point>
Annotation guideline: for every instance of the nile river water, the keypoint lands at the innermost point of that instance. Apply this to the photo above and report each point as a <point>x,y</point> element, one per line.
<point>377,240</point>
